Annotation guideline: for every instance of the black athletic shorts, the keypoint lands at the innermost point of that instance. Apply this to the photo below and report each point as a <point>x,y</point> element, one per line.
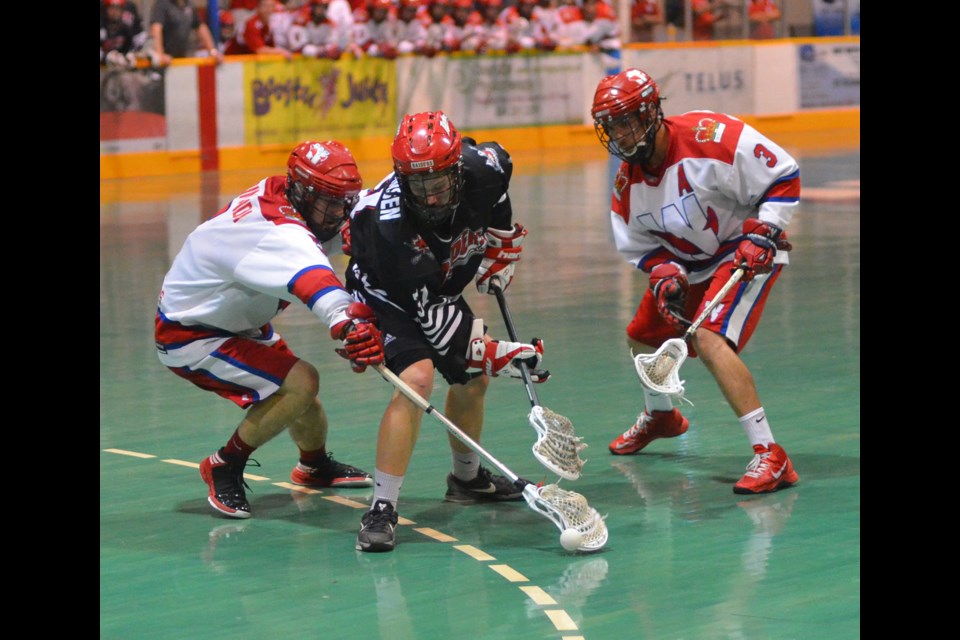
<point>405,344</point>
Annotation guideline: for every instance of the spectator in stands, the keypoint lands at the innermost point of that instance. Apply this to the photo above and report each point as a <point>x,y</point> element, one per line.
<point>548,16</point>
<point>376,30</point>
<point>439,25</point>
<point>130,15</point>
<point>764,16</point>
<point>177,32</point>
<point>466,33</point>
<point>706,14</point>
<point>492,32</point>
<point>645,17</point>
<point>259,33</point>
<point>227,42</point>
<point>116,36</point>
<point>593,25</point>
<point>525,29</point>
<point>413,31</point>
<point>316,35</point>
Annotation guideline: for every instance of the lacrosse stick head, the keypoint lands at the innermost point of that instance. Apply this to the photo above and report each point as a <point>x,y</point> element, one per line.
<point>660,371</point>
<point>557,447</point>
<point>569,510</point>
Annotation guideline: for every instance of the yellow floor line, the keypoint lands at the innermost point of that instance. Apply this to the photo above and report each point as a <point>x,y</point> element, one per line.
<point>134,454</point>
<point>436,535</point>
<point>538,595</point>
<point>473,552</point>
<point>509,573</point>
<point>561,620</point>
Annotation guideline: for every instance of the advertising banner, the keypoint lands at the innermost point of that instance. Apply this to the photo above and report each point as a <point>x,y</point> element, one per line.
<point>132,115</point>
<point>715,79</point>
<point>489,92</point>
<point>286,102</point>
<point>829,75</point>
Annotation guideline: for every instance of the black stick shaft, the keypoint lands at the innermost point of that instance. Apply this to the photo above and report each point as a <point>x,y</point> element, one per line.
<point>512,332</point>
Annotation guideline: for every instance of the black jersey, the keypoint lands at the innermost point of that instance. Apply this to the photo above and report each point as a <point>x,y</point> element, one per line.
<point>424,273</point>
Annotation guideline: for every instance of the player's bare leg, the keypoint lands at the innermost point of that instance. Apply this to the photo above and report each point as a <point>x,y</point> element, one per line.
<point>400,425</point>
<point>265,419</point>
<point>771,468</point>
<point>732,375</point>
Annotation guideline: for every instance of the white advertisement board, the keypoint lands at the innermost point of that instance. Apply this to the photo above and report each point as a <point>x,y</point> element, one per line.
<point>716,79</point>
<point>489,92</point>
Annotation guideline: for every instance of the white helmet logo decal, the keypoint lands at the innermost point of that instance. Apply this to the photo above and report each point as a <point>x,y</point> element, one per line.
<point>445,123</point>
<point>317,154</point>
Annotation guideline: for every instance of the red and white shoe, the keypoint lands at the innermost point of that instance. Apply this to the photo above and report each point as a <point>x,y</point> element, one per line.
<point>647,428</point>
<point>330,473</point>
<point>769,470</point>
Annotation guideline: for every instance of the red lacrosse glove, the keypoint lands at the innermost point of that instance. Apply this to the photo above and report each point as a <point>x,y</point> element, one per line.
<point>500,258</point>
<point>668,281</point>
<point>758,247</point>
<point>362,342</point>
<point>345,241</point>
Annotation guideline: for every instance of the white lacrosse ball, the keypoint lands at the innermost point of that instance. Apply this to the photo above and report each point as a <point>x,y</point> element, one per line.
<point>571,539</point>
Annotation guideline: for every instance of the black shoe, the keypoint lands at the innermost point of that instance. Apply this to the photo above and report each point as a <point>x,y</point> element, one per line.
<point>377,528</point>
<point>486,487</point>
<point>330,473</point>
<point>226,483</point>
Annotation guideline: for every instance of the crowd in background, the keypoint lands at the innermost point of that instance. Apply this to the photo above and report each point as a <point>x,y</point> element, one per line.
<point>389,28</point>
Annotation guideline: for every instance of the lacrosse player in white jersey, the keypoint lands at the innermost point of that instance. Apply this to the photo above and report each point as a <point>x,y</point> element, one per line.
<point>231,278</point>
<point>696,196</point>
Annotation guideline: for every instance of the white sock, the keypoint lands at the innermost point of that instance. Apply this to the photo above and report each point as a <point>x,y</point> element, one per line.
<point>656,401</point>
<point>757,428</point>
<point>386,487</point>
<point>465,465</point>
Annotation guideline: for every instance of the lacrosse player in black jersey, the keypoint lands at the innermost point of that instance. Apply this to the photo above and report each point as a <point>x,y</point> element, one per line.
<point>441,221</point>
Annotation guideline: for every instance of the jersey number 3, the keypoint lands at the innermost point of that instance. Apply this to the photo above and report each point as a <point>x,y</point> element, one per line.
<point>761,152</point>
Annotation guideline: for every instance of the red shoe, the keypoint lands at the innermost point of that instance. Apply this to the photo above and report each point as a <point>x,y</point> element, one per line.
<point>769,470</point>
<point>647,428</point>
<point>330,473</point>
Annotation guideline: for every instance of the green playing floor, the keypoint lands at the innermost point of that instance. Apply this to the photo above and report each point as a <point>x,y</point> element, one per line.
<point>687,558</point>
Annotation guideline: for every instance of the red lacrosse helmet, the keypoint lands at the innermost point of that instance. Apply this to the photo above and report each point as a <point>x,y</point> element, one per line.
<point>323,183</point>
<point>627,115</point>
<point>426,159</point>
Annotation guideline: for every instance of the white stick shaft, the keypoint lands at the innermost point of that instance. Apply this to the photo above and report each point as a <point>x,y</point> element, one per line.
<point>458,433</point>
<point>734,279</point>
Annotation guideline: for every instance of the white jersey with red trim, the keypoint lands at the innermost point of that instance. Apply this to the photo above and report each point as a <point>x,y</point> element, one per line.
<point>238,270</point>
<point>718,171</point>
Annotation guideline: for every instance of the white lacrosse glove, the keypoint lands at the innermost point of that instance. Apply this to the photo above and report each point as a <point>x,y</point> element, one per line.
<point>500,257</point>
<point>499,356</point>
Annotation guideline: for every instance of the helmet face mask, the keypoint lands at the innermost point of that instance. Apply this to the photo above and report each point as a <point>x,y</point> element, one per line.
<point>630,137</point>
<point>432,197</point>
<point>323,184</point>
<point>627,115</point>
<point>428,166</point>
<point>323,213</point>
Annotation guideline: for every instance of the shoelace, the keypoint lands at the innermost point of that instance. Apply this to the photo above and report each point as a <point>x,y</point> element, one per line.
<point>758,465</point>
<point>335,468</point>
<point>239,479</point>
<point>640,426</point>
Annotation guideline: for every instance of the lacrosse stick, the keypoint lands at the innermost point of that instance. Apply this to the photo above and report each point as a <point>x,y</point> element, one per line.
<point>557,447</point>
<point>566,509</point>
<point>660,370</point>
